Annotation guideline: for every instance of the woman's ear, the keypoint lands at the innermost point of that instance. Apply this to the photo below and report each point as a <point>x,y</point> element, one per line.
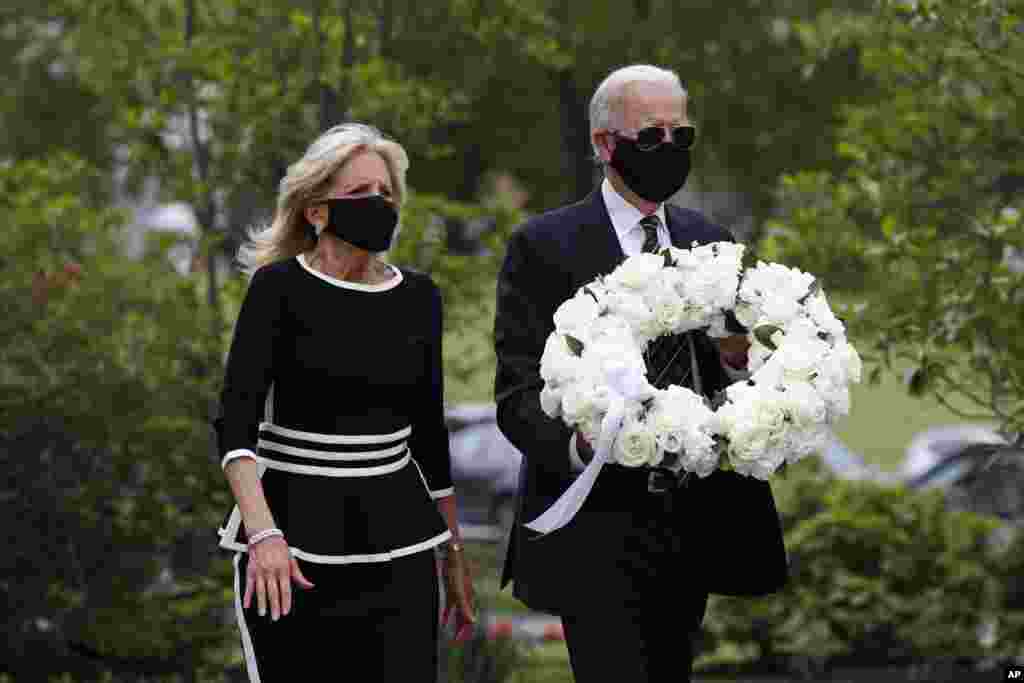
<point>316,215</point>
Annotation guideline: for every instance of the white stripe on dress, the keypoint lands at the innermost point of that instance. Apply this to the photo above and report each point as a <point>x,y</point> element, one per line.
<point>336,438</point>
<point>250,652</point>
<point>335,471</point>
<point>330,455</point>
<point>353,558</point>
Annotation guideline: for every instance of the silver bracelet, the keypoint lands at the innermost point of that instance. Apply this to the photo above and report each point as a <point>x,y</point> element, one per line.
<point>263,535</point>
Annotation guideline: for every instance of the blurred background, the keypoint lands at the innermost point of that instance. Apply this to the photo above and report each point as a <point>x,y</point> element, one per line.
<point>874,143</point>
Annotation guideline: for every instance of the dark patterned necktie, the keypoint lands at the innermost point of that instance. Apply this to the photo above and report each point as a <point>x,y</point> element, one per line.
<point>667,359</point>
<point>650,224</point>
<point>668,362</point>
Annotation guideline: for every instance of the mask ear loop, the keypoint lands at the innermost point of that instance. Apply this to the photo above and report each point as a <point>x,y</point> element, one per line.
<point>312,230</point>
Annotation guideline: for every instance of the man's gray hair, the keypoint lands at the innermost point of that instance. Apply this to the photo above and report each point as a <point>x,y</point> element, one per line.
<point>605,105</point>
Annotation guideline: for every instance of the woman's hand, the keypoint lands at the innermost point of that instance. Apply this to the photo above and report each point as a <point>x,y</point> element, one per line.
<point>459,594</point>
<point>269,575</point>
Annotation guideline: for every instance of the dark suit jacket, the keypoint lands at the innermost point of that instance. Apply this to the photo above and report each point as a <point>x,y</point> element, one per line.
<point>736,548</point>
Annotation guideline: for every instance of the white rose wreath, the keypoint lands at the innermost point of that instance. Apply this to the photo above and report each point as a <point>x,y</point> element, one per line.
<point>800,364</point>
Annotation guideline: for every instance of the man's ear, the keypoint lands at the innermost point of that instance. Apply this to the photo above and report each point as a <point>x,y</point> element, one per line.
<point>605,143</point>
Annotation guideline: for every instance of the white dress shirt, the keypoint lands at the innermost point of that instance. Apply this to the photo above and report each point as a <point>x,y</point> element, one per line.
<point>626,220</point>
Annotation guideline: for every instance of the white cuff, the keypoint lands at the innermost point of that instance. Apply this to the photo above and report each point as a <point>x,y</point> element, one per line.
<point>235,454</point>
<point>442,493</point>
<point>575,461</point>
<point>734,374</point>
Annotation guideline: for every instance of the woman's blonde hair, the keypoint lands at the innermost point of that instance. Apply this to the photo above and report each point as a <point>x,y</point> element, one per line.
<point>307,182</point>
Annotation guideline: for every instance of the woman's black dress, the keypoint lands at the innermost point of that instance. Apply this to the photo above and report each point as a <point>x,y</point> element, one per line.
<point>337,387</point>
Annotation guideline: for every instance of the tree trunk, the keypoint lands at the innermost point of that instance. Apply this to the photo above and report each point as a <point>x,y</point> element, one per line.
<point>206,212</point>
<point>576,153</point>
<point>328,95</point>
<point>577,166</point>
<point>348,59</point>
<point>386,27</point>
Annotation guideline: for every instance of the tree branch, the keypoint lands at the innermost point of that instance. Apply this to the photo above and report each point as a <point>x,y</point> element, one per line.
<point>959,413</point>
<point>328,96</point>
<point>348,58</point>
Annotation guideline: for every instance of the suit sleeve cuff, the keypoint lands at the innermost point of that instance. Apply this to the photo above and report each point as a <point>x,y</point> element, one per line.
<point>235,455</point>
<point>575,461</point>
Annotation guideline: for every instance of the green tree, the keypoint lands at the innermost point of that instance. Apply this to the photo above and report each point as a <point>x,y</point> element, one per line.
<point>926,214</point>
<point>111,487</point>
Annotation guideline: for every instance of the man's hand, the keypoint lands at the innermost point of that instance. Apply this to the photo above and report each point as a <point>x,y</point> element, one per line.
<point>583,448</point>
<point>733,350</point>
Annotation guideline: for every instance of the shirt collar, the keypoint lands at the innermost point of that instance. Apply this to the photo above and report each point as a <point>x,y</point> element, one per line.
<point>624,215</point>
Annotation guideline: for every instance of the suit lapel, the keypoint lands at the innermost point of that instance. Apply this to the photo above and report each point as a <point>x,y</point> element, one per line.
<point>596,246</point>
<point>678,229</point>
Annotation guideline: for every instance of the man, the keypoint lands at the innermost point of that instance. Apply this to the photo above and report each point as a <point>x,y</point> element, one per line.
<point>630,574</point>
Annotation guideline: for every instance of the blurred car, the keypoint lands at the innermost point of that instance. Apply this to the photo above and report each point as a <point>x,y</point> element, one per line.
<point>485,470</point>
<point>963,461</point>
<point>847,464</point>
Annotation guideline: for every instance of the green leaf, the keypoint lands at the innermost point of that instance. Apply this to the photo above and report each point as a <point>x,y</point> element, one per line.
<point>917,382</point>
<point>812,289</point>
<point>575,345</point>
<point>763,334</point>
<point>889,227</point>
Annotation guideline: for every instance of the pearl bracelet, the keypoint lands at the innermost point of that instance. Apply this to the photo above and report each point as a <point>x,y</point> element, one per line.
<point>265,534</point>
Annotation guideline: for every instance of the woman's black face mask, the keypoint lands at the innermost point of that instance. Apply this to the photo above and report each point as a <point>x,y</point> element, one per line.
<point>366,222</point>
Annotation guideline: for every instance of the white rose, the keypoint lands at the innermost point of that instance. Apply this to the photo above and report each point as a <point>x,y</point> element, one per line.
<point>635,445</point>
<point>746,313</point>
<point>635,311</point>
<point>819,310</point>
<point>583,401</point>
<point>779,309</point>
<point>761,467</point>
<point>558,366</point>
<point>703,464</point>
<point>676,416</point>
<point>637,271</point>
<point>576,315</point>
<point>551,402</point>
<point>850,361</point>
<point>669,309</point>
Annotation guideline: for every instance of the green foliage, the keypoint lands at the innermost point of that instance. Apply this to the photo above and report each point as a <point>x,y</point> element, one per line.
<point>481,660</point>
<point>467,282</point>
<point>923,224</point>
<point>878,574</point>
<point>105,376</point>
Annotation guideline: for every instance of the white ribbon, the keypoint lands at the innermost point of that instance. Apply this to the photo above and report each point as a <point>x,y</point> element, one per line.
<point>626,383</point>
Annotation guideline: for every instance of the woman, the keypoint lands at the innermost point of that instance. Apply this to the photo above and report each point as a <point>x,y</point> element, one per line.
<point>332,431</point>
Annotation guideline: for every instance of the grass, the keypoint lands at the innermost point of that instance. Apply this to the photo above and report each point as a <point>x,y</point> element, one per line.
<point>884,418</point>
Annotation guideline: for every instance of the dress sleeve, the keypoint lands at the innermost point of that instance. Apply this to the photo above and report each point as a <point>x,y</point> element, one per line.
<point>250,367</point>
<point>429,440</point>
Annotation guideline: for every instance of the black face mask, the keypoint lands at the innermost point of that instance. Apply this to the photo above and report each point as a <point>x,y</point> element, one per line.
<point>654,175</point>
<point>366,222</point>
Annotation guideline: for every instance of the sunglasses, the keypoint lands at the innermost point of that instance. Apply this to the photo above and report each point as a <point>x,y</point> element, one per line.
<point>649,138</point>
